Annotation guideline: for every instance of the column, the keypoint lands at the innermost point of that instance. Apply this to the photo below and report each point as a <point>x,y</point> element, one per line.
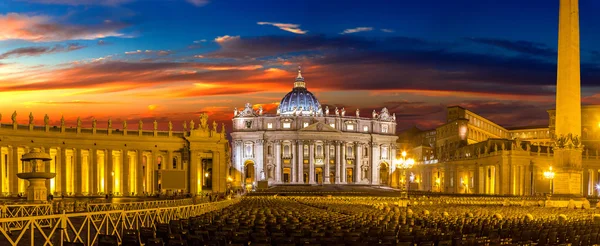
<point>193,172</point>
<point>125,190</point>
<point>260,165</point>
<point>239,166</point>
<point>375,165</point>
<point>277,161</point>
<point>343,164</point>
<point>311,161</point>
<point>169,162</point>
<point>46,166</point>
<point>14,181</point>
<point>108,171</point>
<point>326,174</point>
<point>300,177</point>
<point>63,169</point>
<point>337,162</point>
<point>77,156</point>
<point>151,168</point>
<point>92,172</point>
<point>140,172</point>
<point>358,164</point>
<point>294,151</point>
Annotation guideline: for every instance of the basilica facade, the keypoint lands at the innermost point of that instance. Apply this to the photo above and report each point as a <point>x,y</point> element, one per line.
<point>306,143</point>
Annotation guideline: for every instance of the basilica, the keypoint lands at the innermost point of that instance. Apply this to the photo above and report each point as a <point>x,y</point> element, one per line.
<point>306,143</point>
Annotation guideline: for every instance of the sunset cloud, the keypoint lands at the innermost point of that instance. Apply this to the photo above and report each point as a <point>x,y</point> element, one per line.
<point>293,28</point>
<point>357,29</point>
<point>149,52</point>
<point>226,38</point>
<point>40,28</point>
<point>39,50</point>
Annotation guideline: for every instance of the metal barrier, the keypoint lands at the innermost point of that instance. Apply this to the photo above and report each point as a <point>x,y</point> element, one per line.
<point>86,227</point>
<point>25,210</point>
<point>98,207</point>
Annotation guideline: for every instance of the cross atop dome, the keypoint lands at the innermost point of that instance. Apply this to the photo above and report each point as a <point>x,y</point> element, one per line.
<point>299,82</point>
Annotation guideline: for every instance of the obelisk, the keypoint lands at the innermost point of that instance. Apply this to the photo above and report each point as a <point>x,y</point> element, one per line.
<point>568,148</point>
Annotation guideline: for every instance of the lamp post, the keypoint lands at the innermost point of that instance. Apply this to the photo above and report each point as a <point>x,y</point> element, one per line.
<point>550,175</point>
<point>404,163</point>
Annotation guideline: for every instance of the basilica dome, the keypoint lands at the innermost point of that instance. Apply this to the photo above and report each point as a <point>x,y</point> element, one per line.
<point>299,101</point>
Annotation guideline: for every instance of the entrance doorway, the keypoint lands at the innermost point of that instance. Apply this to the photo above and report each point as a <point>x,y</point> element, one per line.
<point>249,171</point>
<point>286,175</point>
<point>384,174</point>
<point>319,175</point>
<point>349,176</point>
<point>332,177</point>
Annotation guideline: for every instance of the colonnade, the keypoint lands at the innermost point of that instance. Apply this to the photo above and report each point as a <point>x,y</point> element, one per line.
<point>90,171</point>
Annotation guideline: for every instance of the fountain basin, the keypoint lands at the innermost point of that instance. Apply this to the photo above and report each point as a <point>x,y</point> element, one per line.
<point>36,175</point>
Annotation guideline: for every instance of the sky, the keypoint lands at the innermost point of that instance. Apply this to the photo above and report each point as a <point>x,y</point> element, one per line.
<point>171,60</point>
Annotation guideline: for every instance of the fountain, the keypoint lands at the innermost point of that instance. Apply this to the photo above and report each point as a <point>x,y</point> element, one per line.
<point>36,191</point>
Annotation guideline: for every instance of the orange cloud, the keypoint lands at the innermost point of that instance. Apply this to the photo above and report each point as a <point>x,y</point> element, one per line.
<point>40,28</point>
<point>293,28</point>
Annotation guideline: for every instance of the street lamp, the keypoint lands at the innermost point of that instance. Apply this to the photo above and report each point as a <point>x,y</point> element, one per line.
<point>403,164</point>
<point>550,175</point>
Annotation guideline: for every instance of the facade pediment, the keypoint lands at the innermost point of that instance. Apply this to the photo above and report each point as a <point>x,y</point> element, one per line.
<point>319,127</point>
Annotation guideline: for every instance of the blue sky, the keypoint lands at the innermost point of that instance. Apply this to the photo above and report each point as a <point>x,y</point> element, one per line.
<point>173,59</point>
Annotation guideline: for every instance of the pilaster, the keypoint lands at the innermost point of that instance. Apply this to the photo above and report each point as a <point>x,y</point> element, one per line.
<point>193,172</point>
<point>358,163</point>
<point>300,177</point>
<point>337,162</point>
<point>278,168</point>
<point>327,163</point>
<point>294,171</point>
<point>311,160</point>
<point>343,175</point>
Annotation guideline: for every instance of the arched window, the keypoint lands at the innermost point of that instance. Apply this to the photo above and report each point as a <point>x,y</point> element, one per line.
<point>174,162</point>
<point>384,128</point>
<point>286,150</point>
<point>305,150</point>
<point>349,152</point>
<point>319,150</point>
